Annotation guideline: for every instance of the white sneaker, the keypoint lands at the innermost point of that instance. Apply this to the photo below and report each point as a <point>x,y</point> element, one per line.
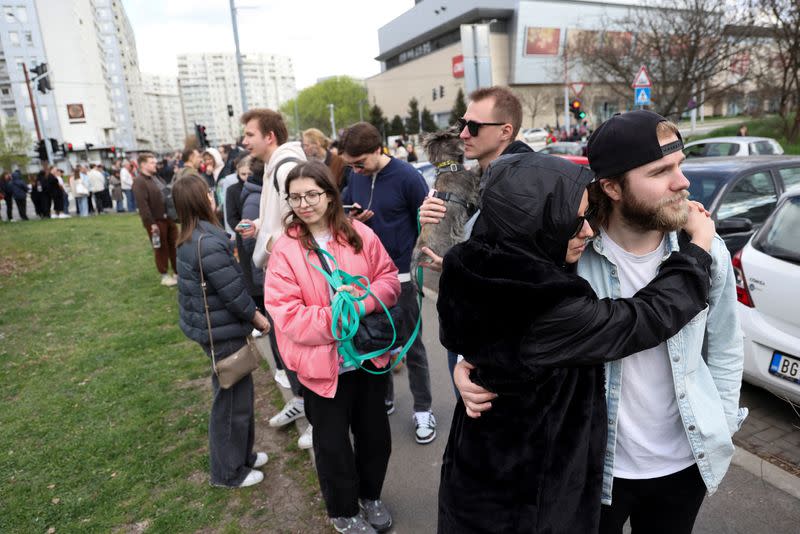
<point>261,459</point>
<point>282,379</point>
<point>167,280</point>
<point>293,410</point>
<point>252,478</point>
<point>425,427</point>
<point>306,440</point>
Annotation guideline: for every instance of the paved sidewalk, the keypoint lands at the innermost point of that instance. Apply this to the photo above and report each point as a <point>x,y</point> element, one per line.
<point>755,497</point>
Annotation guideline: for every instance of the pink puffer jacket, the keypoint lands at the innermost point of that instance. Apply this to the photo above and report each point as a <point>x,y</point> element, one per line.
<point>296,296</point>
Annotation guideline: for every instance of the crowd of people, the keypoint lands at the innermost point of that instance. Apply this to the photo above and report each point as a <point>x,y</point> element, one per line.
<point>588,315</point>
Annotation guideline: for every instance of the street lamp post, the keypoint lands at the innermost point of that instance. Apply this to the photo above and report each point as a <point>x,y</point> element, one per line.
<point>239,60</point>
<point>333,122</point>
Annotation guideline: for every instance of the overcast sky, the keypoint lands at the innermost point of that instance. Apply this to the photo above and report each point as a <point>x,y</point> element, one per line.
<point>323,37</point>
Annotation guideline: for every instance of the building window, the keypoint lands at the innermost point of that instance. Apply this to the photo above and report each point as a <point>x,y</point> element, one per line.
<point>22,14</point>
<point>6,91</point>
<point>29,38</point>
<point>14,38</point>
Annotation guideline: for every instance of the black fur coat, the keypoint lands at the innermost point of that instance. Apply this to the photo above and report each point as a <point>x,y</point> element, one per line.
<point>539,337</point>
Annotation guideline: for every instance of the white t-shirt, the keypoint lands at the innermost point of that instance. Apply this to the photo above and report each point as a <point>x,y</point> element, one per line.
<point>651,440</point>
<point>323,240</point>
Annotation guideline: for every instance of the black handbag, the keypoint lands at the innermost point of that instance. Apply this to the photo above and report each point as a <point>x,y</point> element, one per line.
<point>374,331</point>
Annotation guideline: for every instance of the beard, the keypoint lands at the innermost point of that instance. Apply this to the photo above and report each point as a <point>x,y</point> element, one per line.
<point>666,215</point>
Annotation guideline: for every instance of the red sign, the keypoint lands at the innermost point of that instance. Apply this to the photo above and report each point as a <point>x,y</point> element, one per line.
<point>458,66</point>
<point>642,79</point>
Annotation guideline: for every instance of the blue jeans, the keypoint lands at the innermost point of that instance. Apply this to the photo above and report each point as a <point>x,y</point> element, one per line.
<point>130,199</point>
<point>82,205</point>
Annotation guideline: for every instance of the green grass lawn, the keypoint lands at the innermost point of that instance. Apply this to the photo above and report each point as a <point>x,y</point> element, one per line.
<point>104,401</point>
<point>771,126</point>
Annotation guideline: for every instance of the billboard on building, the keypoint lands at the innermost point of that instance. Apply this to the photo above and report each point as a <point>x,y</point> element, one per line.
<point>542,41</point>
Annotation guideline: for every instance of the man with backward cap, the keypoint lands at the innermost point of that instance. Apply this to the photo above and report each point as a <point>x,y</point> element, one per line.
<point>672,409</point>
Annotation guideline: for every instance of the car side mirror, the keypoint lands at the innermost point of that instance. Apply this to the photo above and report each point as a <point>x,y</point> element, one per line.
<point>734,225</point>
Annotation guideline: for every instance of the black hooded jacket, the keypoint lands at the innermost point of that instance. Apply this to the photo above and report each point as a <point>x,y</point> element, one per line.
<point>539,335</point>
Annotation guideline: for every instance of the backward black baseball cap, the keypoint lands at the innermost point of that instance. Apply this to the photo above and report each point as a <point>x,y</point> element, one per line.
<point>626,141</point>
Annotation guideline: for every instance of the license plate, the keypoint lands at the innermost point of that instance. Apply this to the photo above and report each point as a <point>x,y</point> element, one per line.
<point>786,367</point>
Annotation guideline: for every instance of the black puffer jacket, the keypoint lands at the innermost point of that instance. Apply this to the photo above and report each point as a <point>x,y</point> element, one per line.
<point>539,335</point>
<point>231,307</point>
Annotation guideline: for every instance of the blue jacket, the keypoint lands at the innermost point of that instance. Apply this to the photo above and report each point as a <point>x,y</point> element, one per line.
<point>395,197</point>
<point>707,392</point>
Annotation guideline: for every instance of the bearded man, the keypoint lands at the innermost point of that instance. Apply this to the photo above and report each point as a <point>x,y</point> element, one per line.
<point>672,409</point>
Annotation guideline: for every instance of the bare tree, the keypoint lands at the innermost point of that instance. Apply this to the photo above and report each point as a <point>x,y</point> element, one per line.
<point>533,101</point>
<point>685,44</point>
<point>778,59</point>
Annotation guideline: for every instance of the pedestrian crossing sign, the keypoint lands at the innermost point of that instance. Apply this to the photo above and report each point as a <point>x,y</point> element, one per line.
<point>641,96</point>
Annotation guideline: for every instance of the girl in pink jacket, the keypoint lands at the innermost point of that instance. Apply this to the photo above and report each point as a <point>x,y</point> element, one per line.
<point>338,399</point>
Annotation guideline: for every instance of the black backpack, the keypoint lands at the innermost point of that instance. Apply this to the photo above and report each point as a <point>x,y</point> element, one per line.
<point>166,195</point>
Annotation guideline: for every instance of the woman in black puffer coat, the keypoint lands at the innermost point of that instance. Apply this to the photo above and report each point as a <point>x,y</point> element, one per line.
<point>231,428</point>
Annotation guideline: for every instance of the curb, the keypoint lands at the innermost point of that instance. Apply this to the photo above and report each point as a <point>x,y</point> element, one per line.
<point>767,472</point>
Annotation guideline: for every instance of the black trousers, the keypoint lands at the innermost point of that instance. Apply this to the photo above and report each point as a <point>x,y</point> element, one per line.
<point>231,430</point>
<point>664,505</point>
<point>22,207</point>
<point>9,207</point>
<point>349,471</point>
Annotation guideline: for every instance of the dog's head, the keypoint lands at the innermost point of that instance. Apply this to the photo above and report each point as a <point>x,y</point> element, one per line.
<point>444,145</point>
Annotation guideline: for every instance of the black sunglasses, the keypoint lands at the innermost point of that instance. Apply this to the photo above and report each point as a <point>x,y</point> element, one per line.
<point>580,221</point>
<point>474,126</point>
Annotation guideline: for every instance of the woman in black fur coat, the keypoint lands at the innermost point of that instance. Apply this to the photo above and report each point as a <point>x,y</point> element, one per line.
<point>511,303</point>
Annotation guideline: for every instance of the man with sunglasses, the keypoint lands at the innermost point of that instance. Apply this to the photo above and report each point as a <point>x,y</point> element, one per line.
<point>489,128</point>
<point>386,193</point>
<point>672,409</point>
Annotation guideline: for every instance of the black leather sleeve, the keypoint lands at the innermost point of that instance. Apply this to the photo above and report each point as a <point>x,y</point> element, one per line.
<point>588,331</point>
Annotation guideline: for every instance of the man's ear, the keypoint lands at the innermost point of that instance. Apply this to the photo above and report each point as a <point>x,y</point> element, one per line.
<point>505,131</point>
<point>611,188</point>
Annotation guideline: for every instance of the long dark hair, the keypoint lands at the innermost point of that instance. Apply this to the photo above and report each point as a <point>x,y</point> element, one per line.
<point>340,226</point>
<point>190,195</point>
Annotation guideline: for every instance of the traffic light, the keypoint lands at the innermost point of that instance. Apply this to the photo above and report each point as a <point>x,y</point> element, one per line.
<point>200,130</point>
<point>41,149</point>
<point>576,107</point>
<point>53,145</point>
<point>441,91</point>
<point>434,93</point>
<point>66,147</point>
<point>43,84</point>
<point>113,150</point>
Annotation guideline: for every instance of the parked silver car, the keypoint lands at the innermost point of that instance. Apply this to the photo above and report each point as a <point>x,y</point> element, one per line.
<point>733,146</point>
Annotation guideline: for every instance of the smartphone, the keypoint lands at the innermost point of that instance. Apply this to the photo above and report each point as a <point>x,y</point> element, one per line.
<point>352,209</point>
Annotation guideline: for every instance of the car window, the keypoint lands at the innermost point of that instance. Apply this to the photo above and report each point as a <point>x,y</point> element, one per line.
<point>791,176</point>
<point>781,238</point>
<point>753,197</point>
<point>722,149</point>
<point>695,151</point>
<point>762,148</point>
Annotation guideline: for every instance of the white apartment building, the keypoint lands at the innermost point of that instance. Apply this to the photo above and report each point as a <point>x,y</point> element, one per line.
<point>209,88</point>
<point>21,42</point>
<point>129,108</point>
<point>164,112</point>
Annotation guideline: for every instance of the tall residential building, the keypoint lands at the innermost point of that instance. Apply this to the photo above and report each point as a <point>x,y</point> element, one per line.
<point>209,88</point>
<point>21,42</point>
<point>129,107</point>
<point>164,112</point>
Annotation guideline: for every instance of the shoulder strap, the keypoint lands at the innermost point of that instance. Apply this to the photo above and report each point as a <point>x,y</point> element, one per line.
<point>278,166</point>
<point>205,304</point>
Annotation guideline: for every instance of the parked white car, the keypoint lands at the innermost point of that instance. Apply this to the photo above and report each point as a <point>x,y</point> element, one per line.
<point>768,289</point>
<point>534,135</point>
<point>733,146</point>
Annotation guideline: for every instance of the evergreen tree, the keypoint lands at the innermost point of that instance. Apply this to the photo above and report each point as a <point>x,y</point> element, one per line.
<point>397,127</point>
<point>459,107</point>
<point>428,124</point>
<point>412,117</point>
<point>377,118</point>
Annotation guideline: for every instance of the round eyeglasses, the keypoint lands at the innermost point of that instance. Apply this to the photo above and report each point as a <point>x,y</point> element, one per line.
<point>311,198</point>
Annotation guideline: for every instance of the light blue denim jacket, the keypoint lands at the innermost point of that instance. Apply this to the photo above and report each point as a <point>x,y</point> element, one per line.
<point>707,393</point>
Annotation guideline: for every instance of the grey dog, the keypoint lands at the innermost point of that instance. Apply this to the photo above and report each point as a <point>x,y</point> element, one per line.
<point>454,184</point>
